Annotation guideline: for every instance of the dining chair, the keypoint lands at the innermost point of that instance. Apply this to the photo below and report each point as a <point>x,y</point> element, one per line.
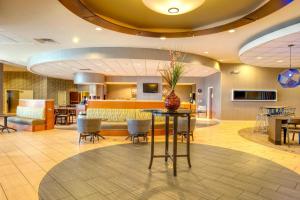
<point>293,126</point>
<point>290,112</point>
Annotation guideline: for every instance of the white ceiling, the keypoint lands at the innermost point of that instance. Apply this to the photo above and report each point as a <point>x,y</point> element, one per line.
<point>26,20</point>
<point>272,50</point>
<point>115,67</point>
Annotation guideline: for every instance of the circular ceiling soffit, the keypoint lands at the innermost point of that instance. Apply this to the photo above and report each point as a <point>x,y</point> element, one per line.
<point>115,61</point>
<point>135,18</point>
<point>272,49</point>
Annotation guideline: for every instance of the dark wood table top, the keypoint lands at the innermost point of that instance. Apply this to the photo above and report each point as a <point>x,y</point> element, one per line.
<point>178,112</point>
<point>7,115</point>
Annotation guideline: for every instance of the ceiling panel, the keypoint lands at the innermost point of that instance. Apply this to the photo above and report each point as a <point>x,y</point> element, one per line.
<point>268,54</point>
<point>115,67</point>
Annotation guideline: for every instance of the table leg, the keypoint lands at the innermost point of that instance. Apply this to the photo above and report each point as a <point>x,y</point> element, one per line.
<point>5,121</point>
<point>167,139</point>
<point>175,121</point>
<point>152,142</point>
<point>188,142</point>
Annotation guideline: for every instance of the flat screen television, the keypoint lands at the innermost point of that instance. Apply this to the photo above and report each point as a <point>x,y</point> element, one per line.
<point>254,95</point>
<point>150,87</point>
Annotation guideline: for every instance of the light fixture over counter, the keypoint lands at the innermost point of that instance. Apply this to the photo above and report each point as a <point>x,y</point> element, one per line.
<point>173,7</point>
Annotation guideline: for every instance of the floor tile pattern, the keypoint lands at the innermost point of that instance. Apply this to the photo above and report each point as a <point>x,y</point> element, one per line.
<point>120,172</point>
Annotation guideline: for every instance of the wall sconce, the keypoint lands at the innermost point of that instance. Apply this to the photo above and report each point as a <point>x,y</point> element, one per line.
<point>235,72</point>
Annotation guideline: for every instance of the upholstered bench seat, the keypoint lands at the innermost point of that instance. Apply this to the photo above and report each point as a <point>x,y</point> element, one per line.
<point>28,119</point>
<point>106,125</point>
<point>25,121</point>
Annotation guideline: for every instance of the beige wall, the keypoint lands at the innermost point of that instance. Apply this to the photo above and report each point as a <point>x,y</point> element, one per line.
<point>213,81</point>
<point>123,91</point>
<point>252,78</point>
<point>183,92</point>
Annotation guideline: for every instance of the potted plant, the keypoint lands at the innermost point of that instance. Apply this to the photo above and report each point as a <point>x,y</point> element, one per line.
<point>171,75</point>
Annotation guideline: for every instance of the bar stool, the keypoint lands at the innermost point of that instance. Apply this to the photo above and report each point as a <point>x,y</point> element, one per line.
<point>262,123</point>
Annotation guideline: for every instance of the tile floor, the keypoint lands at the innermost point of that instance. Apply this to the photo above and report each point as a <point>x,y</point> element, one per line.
<point>26,158</point>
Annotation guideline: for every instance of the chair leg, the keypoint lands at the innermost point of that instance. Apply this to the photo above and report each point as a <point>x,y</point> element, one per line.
<point>79,138</point>
<point>192,134</point>
<point>288,136</point>
<point>293,136</point>
<point>284,135</point>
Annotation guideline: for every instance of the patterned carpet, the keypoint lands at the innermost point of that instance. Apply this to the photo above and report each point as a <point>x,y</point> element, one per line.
<point>262,139</point>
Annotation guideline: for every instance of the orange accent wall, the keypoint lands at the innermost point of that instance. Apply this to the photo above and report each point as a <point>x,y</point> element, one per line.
<point>126,104</point>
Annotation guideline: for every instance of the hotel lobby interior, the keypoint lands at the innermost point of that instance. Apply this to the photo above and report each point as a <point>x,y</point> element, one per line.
<point>150,99</point>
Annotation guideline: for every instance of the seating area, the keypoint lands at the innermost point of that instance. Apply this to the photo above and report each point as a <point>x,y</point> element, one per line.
<point>150,100</point>
<point>33,115</point>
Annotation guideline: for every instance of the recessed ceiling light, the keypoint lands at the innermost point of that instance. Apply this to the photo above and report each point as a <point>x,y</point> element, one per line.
<point>231,31</point>
<point>206,52</point>
<point>258,58</point>
<point>173,10</point>
<point>221,60</point>
<point>75,40</point>
<point>173,7</point>
<point>98,29</point>
<point>279,61</point>
<point>163,38</point>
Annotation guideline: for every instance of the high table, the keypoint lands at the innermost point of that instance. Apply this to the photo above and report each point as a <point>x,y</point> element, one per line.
<point>174,156</point>
<point>275,127</point>
<point>4,126</point>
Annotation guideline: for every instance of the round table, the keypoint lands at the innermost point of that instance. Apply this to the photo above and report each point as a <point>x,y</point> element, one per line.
<point>173,157</point>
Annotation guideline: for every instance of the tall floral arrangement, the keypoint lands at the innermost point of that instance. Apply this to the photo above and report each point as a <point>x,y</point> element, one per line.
<point>172,74</point>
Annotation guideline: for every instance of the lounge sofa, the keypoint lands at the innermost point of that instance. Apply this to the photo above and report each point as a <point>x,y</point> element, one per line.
<point>33,115</point>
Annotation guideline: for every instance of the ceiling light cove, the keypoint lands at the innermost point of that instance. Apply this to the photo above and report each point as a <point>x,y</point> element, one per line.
<point>173,7</point>
<point>172,18</point>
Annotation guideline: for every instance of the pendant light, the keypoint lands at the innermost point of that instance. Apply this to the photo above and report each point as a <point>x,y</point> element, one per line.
<point>289,78</point>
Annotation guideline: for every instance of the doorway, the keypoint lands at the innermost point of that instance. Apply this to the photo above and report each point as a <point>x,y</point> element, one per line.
<point>210,93</point>
<point>12,100</point>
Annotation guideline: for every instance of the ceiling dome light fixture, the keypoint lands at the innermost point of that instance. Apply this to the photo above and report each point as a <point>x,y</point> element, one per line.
<point>173,10</point>
<point>289,78</point>
<point>173,7</point>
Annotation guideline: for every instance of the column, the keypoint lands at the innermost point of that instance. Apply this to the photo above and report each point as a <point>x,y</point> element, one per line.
<point>1,88</point>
